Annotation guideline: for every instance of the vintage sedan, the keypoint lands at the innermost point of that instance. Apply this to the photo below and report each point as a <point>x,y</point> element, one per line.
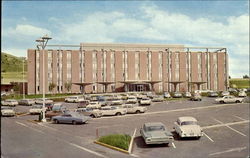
<point>74,99</point>
<point>166,95</point>
<point>187,94</point>
<point>213,94</point>
<point>187,127</point>
<point>157,98</point>
<point>40,101</point>
<point>70,117</point>
<point>131,99</point>
<point>7,111</point>
<point>116,101</point>
<point>28,102</point>
<point>177,95</point>
<point>9,102</point>
<point>56,110</point>
<point>229,99</point>
<point>242,94</point>
<point>94,105</point>
<point>112,111</point>
<point>145,101</point>
<point>156,133</point>
<point>94,113</point>
<point>36,109</point>
<point>196,97</point>
<point>134,109</point>
<point>224,93</point>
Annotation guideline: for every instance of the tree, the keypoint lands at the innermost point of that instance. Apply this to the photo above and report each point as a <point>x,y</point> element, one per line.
<point>16,88</point>
<point>245,76</point>
<point>68,85</point>
<point>51,86</point>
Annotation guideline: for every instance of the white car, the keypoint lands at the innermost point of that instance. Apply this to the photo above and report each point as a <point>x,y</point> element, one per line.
<point>94,105</point>
<point>145,101</point>
<point>113,110</point>
<point>116,101</point>
<point>9,102</point>
<point>40,101</point>
<point>167,95</point>
<point>131,99</point>
<point>229,99</point>
<point>242,94</point>
<point>28,102</point>
<point>7,111</point>
<point>187,127</point>
<point>36,109</point>
<point>74,99</point>
<point>225,93</point>
<point>133,108</point>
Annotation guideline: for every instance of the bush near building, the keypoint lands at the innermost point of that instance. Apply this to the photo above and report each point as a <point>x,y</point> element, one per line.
<point>117,140</point>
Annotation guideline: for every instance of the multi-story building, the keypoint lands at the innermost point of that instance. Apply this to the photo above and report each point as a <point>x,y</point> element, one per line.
<point>97,68</point>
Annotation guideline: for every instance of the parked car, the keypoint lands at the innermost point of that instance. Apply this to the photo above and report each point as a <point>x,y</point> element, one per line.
<point>196,97</point>
<point>156,133</point>
<point>187,127</point>
<point>40,101</point>
<point>131,99</point>
<point>242,94</point>
<point>232,90</point>
<point>116,101</point>
<point>132,108</point>
<point>224,93</point>
<point>36,109</point>
<point>28,102</point>
<point>83,104</point>
<point>166,95</point>
<point>229,99</point>
<point>94,105</point>
<point>70,117</point>
<point>48,105</point>
<point>56,110</point>
<point>187,94</point>
<point>94,113</point>
<point>7,111</point>
<point>157,98</point>
<point>74,99</point>
<point>112,110</point>
<point>177,95</point>
<point>145,101</point>
<point>102,100</point>
<point>213,94</point>
<point>150,94</point>
<point>9,102</point>
<point>140,96</point>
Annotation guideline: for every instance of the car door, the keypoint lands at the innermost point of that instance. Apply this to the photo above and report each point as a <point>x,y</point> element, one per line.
<point>177,126</point>
<point>129,109</point>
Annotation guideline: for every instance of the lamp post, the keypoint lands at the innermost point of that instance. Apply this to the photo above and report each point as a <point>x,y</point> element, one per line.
<point>42,42</point>
<point>23,80</point>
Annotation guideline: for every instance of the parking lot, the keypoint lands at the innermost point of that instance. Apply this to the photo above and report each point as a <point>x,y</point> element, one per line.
<point>225,127</point>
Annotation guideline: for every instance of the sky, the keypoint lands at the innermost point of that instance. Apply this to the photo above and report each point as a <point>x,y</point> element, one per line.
<point>192,23</point>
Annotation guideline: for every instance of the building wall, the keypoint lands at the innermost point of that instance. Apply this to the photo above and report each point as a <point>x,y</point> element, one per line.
<point>155,64</point>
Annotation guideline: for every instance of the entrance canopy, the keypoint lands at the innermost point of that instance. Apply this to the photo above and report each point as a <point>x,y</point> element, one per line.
<point>198,83</point>
<point>175,83</point>
<point>83,84</point>
<point>105,83</point>
<point>140,85</point>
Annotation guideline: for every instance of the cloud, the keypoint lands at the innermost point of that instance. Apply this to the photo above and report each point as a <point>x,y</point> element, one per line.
<point>25,30</point>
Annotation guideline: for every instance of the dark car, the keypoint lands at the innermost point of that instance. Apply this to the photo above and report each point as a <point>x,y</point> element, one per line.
<point>56,110</point>
<point>70,117</point>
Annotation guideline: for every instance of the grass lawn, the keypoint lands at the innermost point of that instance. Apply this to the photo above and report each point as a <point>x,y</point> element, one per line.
<point>240,83</point>
<point>117,140</point>
<point>13,77</point>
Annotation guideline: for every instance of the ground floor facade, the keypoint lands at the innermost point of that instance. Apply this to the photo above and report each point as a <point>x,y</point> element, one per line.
<point>98,68</point>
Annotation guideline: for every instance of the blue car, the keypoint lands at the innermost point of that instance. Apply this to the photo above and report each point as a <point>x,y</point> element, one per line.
<point>70,117</point>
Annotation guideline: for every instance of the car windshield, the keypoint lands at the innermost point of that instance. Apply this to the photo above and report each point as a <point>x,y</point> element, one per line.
<point>156,128</point>
<point>189,123</point>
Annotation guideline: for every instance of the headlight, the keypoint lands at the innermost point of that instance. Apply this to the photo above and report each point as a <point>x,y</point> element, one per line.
<point>148,139</point>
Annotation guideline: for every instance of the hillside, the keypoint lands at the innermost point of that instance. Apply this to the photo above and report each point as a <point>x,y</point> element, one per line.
<point>11,63</point>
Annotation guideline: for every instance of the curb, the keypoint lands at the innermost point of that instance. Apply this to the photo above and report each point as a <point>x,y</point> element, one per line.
<point>111,147</point>
<point>33,121</point>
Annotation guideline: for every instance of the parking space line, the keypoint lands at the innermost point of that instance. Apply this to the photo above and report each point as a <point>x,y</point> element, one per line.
<point>227,151</point>
<point>30,127</point>
<point>173,145</point>
<point>239,118</point>
<point>222,125</point>
<point>208,137</point>
<point>88,150</point>
<point>230,128</point>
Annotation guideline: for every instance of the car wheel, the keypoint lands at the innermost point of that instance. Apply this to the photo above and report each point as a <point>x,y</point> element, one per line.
<point>117,114</point>
<point>56,121</point>
<point>198,137</point>
<point>237,101</point>
<point>74,122</point>
<point>92,115</point>
<point>138,111</point>
<point>222,102</point>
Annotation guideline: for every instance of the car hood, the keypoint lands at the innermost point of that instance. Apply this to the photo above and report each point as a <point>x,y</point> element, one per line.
<point>7,110</point>
<point>191,129</point>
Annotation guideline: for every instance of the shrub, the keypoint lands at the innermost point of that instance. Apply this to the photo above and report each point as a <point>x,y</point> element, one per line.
<point>118,140</point>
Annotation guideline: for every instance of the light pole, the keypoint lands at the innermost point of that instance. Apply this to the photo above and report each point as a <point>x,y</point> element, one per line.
<point>23,80</point>
<point>42,42</point>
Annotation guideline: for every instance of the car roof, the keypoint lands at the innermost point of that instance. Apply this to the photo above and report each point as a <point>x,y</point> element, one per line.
<point>187,118</point>
<point>154,124</point>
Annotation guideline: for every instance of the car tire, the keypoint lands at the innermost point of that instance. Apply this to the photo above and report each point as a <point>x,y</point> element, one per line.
<point>56,121</point>
<point>93,116</point>
<point>118,114</point>
<point>198,137</point>
<point>74,122</point>
<point>137,111</point>
<point>222,102</point>
<point>237,101</point>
